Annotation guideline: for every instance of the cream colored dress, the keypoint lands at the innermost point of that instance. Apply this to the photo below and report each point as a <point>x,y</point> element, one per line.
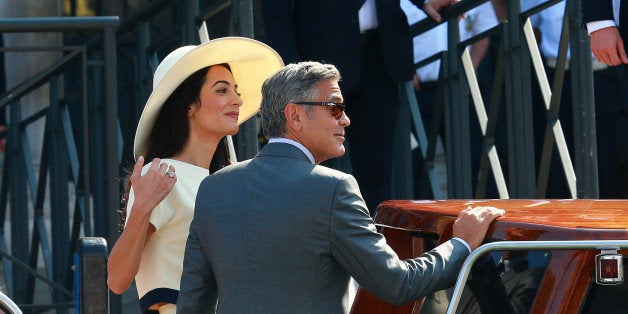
<point>162,260</point>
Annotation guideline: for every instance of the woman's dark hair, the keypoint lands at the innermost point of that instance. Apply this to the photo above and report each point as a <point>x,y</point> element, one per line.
<point>171,130</point>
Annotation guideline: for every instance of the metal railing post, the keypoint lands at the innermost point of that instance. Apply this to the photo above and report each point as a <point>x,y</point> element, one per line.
<point>519,109</point>
<point>585,146</point>
<point>242,14</point>
<point>90,283</point>
<point>456,119</point>
<point>19,203</point>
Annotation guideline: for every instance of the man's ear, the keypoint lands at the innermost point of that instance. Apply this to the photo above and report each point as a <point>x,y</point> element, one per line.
<point>294,116</point>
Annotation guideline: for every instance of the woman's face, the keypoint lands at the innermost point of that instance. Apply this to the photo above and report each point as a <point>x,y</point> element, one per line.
<point>216,113</point>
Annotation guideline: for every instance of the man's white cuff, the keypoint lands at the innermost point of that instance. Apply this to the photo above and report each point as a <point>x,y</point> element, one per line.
<point>597,25</point>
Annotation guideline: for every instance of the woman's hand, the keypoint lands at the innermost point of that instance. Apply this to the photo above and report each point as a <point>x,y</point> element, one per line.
<point>152,187</point>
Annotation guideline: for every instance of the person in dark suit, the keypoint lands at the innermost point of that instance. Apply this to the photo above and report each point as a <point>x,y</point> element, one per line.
<point>370,43</point>
<point>607,32</point>
<point>607,24</point>
<point>285,234</point>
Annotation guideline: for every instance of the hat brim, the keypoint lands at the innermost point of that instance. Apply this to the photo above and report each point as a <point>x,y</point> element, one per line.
<point>251,62</point>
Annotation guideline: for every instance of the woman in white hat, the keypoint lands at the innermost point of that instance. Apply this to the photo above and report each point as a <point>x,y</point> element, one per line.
<point>200,95</point>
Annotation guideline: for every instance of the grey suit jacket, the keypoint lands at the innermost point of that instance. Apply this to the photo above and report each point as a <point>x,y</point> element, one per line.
<point>277,234</point>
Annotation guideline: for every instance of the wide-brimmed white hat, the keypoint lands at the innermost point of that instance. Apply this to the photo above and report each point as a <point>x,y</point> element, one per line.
<point>251,63</point>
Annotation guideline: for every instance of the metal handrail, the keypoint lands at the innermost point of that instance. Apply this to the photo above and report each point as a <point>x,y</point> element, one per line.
<point>523,246</point>
<point>21,279</point>
<point>7,305</point>
<point>512,93</point>
<point>56,24</point>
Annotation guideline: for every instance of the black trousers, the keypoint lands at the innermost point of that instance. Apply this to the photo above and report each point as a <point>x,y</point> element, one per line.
<point>372,107</point>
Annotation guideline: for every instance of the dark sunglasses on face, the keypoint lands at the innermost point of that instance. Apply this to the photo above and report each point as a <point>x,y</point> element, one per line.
<point>335,108</point>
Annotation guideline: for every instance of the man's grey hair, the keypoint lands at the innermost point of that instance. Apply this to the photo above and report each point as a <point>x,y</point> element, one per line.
<point>293,83</point>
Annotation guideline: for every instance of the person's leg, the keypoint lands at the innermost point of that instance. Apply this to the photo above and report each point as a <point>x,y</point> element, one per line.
<point>606,88</point>
<point>427,98</point>
<point>620,152</point>
<point>372,108</point>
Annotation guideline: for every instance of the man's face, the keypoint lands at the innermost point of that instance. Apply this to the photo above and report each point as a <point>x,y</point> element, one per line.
<point>323,134</point>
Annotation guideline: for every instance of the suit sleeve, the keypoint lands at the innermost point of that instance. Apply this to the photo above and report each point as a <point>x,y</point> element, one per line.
<point>198,292</point>
<point>597,10</point>
<point>363,251</point>
<point>280,30</point>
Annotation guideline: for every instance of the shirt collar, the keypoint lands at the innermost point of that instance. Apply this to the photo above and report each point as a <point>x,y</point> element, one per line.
<point>294,143</point>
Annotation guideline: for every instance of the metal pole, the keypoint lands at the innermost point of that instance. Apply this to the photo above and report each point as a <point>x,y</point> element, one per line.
<point>190,10</point>
<point>19,203</point>
<point>518,108</point>
<point>111,162</point>
<point>585,148</point>
<point>246,139</point>
<point>60,212</point>
<point>456,120</point>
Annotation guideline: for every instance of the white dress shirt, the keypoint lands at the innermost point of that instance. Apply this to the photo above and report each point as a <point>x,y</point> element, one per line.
<point>368,16</point>
<point>478,19</point>
<point>294,143</point>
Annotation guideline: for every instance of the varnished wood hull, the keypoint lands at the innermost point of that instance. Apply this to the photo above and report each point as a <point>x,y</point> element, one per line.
<point>568,273</point>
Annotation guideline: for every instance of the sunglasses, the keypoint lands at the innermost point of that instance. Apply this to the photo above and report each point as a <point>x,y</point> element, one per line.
<point>336,108</point>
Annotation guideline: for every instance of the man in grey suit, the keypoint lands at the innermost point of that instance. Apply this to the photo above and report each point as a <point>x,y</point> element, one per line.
<point>281,234</point>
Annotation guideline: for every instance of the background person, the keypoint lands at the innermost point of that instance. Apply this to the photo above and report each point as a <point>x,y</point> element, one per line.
<point>370,43</point>
<point>607,24</point>
<point>425,81</point>
<point>609,84</point>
